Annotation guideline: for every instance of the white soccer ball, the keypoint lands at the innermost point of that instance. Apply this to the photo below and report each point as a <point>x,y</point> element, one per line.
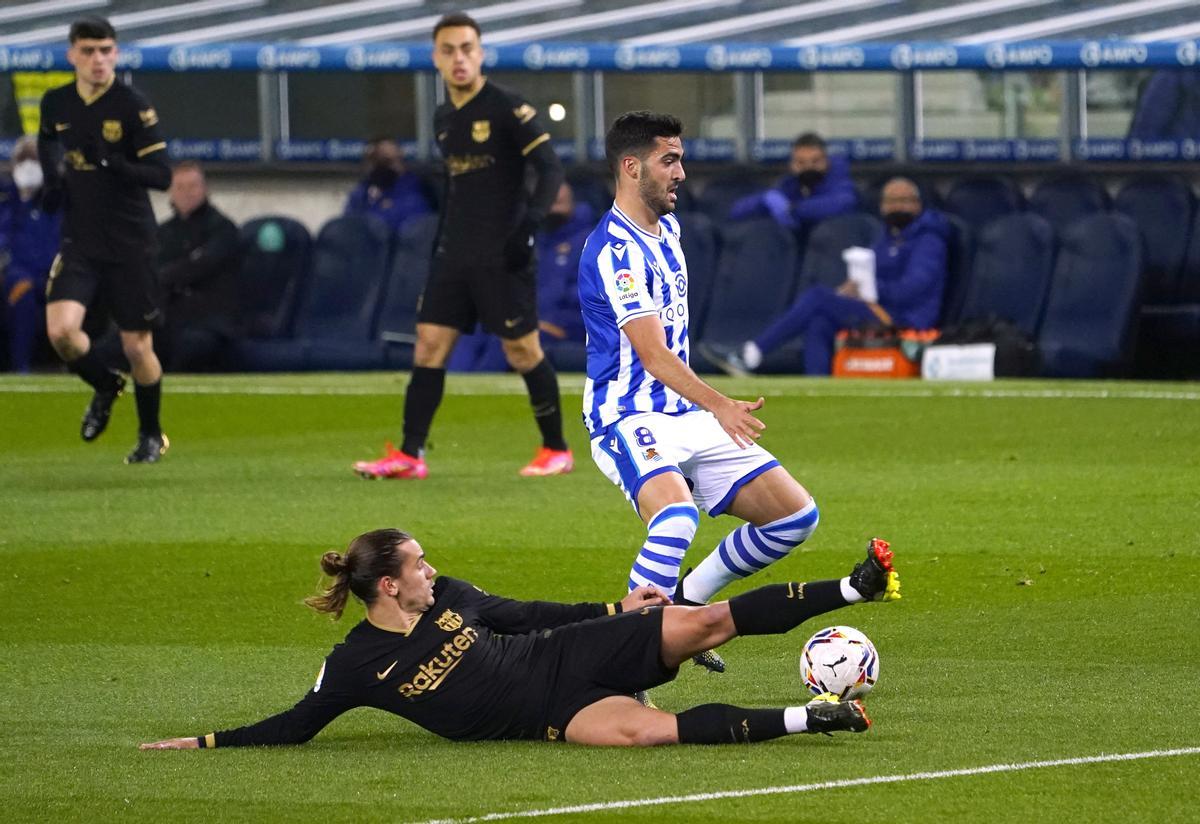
<point>840,660</point>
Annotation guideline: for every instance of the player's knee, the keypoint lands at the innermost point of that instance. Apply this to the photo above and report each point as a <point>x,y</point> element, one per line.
<point>652,731</point>
<point>787,533</point>
<point>523,355</point>
<point>137,348</point>
<point>712,619</point>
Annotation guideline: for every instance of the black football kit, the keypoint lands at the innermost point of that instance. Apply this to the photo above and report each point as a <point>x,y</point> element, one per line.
<point>99,155</point>
<point>477,666</point>
<point>483,269</point>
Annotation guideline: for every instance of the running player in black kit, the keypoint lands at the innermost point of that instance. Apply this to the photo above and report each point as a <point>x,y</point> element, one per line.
<point>483,269</point>
<point>100,149</point>
<point>467,665</point>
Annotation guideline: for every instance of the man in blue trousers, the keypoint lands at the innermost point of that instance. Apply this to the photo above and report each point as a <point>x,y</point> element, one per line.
<point>817,187</point>
<point>910,276</point>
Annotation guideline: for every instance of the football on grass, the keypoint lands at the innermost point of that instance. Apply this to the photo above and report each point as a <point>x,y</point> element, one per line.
<point>840,660</point>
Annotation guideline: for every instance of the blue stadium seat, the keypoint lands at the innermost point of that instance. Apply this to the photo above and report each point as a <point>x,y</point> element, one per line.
<point>335,316</point>
<point>276,256</point>
<point>1094,293</point>
<point>823,264</point>
<point>720,193</point>
<point>755,283</point>
<point>959,255</point>
<point>698,237</point>
<point>1064,199</point>
<point>396,328</point>
<point>1162,208</point>
<point>980,200</point>
<point>1010,275</point>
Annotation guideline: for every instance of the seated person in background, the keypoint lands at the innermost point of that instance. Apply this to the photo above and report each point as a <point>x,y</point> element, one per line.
<point>1168,107</point>
<point>198,256</point>
<point>816,188</point>
<point>910,277</point>
<point>388,190</point>
<point>29,240</point>
<point>559,245</point>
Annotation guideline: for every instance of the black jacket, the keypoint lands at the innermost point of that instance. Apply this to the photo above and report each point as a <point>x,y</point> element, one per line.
<point>198,261</point>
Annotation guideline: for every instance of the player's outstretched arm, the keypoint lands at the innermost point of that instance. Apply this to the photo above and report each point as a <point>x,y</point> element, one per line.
<point>191,743</point>
<point>648,339</point>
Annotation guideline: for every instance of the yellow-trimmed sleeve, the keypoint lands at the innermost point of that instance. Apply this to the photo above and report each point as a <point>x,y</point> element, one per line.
<point>537,141</point>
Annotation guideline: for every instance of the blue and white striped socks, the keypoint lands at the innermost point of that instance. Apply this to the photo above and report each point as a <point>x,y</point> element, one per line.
<point>748,549</point>
<point>669,535</point>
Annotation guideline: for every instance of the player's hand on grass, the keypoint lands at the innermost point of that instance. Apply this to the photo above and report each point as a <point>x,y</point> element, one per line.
<point>738,423</point>
<point>643,596</point>
<point>172,744</point>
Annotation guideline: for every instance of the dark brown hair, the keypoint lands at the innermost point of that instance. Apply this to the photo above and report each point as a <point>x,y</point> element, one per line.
<point>633,133</point>
<point>91,28</point>
<point>369,557</point>
<point>455,19</point>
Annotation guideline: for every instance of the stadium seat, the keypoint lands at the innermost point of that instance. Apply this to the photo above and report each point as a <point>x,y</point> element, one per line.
<point>1010,274</point>
<point>1162,208</point>
<point>1094,293</point>
<point>276,255</point>
<point>823,264</point>
<point>959,254</point>
<point>755,283</point>
<point>698,238</point>
<point>1063,199</point>
<point>333,322</point>
<point>720,193</point>
<point>980,200</point>
<point>396,328</point>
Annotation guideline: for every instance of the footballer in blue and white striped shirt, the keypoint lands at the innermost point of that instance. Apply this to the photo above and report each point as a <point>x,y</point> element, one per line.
<point>671,442</point>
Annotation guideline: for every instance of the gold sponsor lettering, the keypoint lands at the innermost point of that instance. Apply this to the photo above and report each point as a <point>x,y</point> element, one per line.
<point>111,130</point>
<point>449,621</point>
<point>432,674</point>
<point>461,164</point>
<point>481,130</point>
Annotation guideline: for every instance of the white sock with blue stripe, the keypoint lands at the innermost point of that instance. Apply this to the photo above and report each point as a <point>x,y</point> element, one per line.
<point>669,535</point>
<point>748,549</point>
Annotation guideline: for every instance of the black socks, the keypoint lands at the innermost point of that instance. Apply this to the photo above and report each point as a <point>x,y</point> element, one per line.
<point>91,368</point>
<point>778,608</point>
<point>542,383</point>
<point>148,398</point>
<point>726,724</point>
<point>421,401</point>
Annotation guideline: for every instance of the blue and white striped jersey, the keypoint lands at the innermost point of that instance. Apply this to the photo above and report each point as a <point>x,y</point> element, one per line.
<point>626,273</point>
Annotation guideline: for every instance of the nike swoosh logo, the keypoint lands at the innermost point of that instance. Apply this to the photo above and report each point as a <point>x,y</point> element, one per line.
<point>61,127</point>
<point>386,672</point>
<point>511,323</point>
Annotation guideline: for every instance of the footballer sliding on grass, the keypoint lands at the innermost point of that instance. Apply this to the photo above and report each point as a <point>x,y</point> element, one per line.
<point>468,665</point>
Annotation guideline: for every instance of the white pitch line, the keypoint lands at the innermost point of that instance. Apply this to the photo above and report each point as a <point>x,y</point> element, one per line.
<point>822,785</point>
<point>516,388</point>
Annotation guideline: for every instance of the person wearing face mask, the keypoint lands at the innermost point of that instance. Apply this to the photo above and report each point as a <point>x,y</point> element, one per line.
<point>817,187</point>
<point>29,239</point>
<point>198,260</point>
<point>910,277</point>
<point>388,190</point>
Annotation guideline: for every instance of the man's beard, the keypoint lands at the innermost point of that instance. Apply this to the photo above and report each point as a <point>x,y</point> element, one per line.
<point>657,199</point>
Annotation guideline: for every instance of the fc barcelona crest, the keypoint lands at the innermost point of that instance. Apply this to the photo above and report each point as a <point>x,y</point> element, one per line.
<point>481,130</point>
<point>111,131</point>
<point>449,621</point>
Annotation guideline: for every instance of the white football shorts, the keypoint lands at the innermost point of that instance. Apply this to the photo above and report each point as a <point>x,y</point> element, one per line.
<point>638,447</point>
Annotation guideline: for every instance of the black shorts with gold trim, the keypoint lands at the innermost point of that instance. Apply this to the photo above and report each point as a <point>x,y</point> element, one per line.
<point>127,291</point>
<point>461,295</point>
<point>591,660</point>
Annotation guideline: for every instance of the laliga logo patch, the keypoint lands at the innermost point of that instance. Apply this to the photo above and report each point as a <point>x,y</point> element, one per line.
<point>624,282</point>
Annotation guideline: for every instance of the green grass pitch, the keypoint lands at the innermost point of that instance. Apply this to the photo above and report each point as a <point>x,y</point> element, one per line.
<point>1046,535</point>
